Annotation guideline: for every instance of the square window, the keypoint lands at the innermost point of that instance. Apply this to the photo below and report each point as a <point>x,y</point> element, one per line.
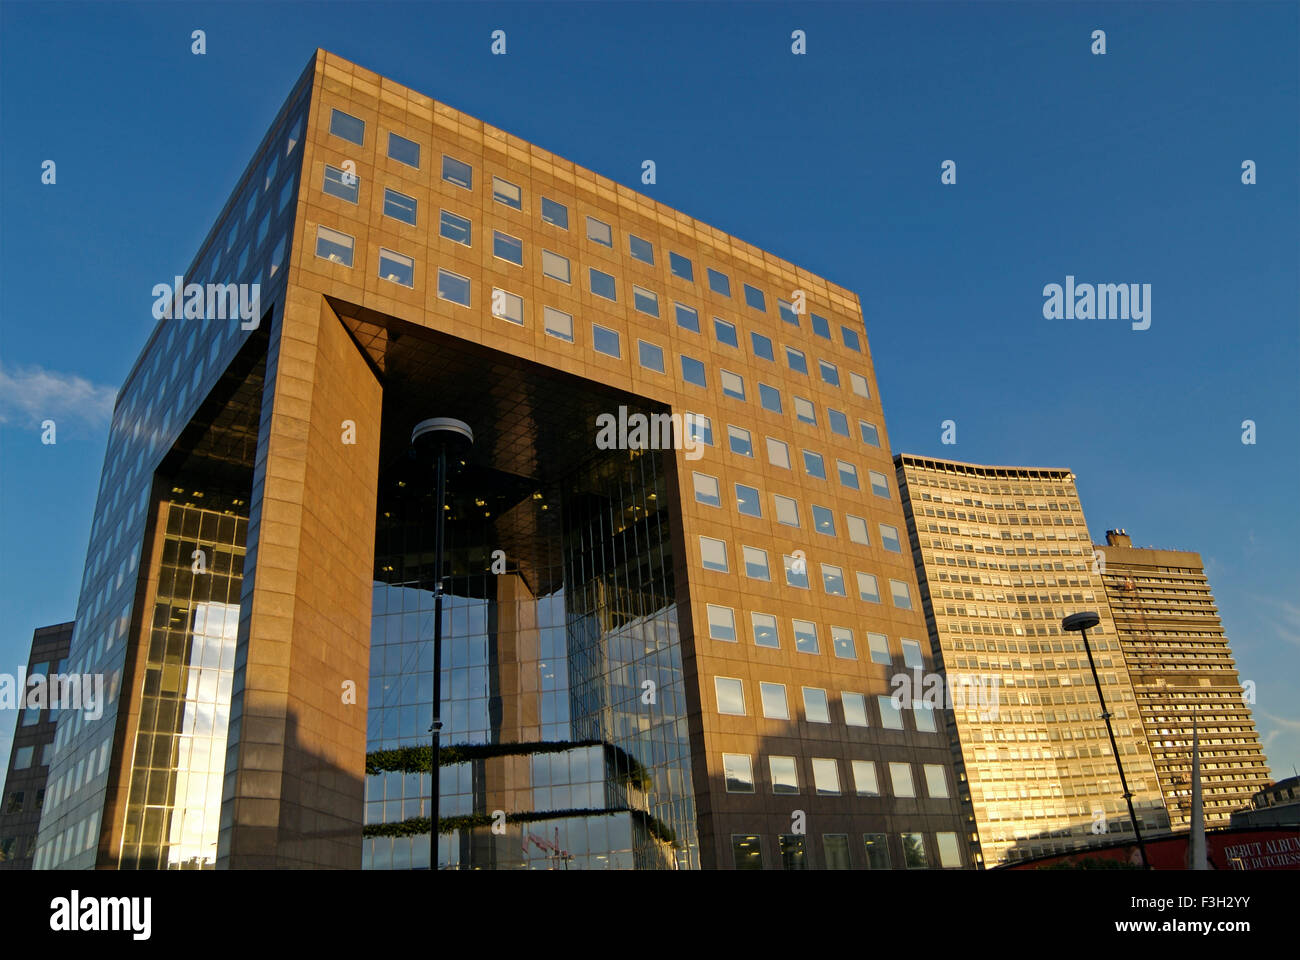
<point>693,371</point>
<point>878,644</point>
<point>554,213</point>
<point>606,341</point>
<point>815,707</point>
<point>746,852</point>
<point>830,373</point>
<point>713,554</point>
<point>762,346</point>
<point>719,282</point>
<point>453,287</point>
<point>795,360</point>
<point>820,327</point>
<point>869,434</point>
<point>699,428</point>
<point>645,301</point>
<point>600,232</point>
<point>842,638</point>
<point>681,267</point>
<point>706,490</point>
<point>738,771</point>
<point>399,206</point>
<point>794,851</point>
<point>859,385</point>
<point>804,411</point>
<point>855,709</point>
<point>754,298</point>
<point>826,777</point>
<point>765,632</point>
<point>722,623</point>
<point>901,594</point>
<point>877,849</point>
<point>805,636</point>
<point>936,782</point>
<point>558,324</point>
<point>848,474</point>
<point>507,306</point>
<point>651,356</point>
<point>823,520</point>
<point>506,247</point>
<point>787,510</point>
<point>900,777</point>
<point>851,339</point>
<point>769,398</point>
<point>912,654</point>
<point>857,530</point>
<point>642,250</point>
<point>454,171</point>
<point>838,421</point>
<point>879,484</point>
<point>756,564</point>
<point>889,538</point>
<point>403,150</point>
<point>739,441</point>
<point>867,588</point>
<point>813,465</point>
<point>747,502</point>
<point>865,783</point>
<point>602,284</point>
<point>556,267</point>
<point>914,857</point>
<point>731,696</point>
<point>725,332</point>
<point>503,191</point>
<point>786,309</point>
<point>454,228</point>
<point>687,317</point>
<point>774,702</point>
<point>778,453</point>
<point>341,184</point>
<point>396,267</point>
<point>891,718</point>
<point>796,572</point>
<point>347,127</point>
<point>334,246</point>
<point>785,772</point>
<point>733,385</point>
<point>923,717</point>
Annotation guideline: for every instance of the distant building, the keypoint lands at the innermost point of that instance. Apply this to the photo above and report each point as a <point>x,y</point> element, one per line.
<point>1278,804</point>
<point>1182,670</point>
<point>1003,554</point>
<point>24,789</point>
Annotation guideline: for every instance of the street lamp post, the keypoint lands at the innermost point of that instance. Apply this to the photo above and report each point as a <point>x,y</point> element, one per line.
<point>1079,623</point>
<point>431,441</point>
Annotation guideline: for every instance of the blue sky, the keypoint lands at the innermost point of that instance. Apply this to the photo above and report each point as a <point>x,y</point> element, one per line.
<point>1117,168</point>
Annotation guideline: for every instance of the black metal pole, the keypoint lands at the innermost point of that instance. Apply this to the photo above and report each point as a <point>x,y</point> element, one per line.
<point>1114,747</point>
<point>437,654</point>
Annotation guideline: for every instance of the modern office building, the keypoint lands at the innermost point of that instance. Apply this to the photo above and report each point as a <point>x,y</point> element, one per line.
<point>664,647</point>
<point>1003,554</point>
<point>1277,804</point>
<point>24,791</point>
<point>1182,671</point>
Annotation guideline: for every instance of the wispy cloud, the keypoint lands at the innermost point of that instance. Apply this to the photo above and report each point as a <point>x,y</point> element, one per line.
<point>35,394</point>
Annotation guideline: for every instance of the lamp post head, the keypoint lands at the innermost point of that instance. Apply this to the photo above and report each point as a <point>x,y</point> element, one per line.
<point>1080,621</point>
<point>429,435</point>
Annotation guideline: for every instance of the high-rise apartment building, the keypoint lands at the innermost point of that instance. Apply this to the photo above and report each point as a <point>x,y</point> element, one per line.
<point>663,647</point>
<point>1182,672</point>
<point>1003,554</point>
<point>23,797</point>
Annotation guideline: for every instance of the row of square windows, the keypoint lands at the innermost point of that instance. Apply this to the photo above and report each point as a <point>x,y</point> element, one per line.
<point>747,851</point>
<point>722,627</point>
<point>730,695</point>
<point>749,501</point>
<point>738,774</point>
<point>461,174</point>
<point>713,556</point>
